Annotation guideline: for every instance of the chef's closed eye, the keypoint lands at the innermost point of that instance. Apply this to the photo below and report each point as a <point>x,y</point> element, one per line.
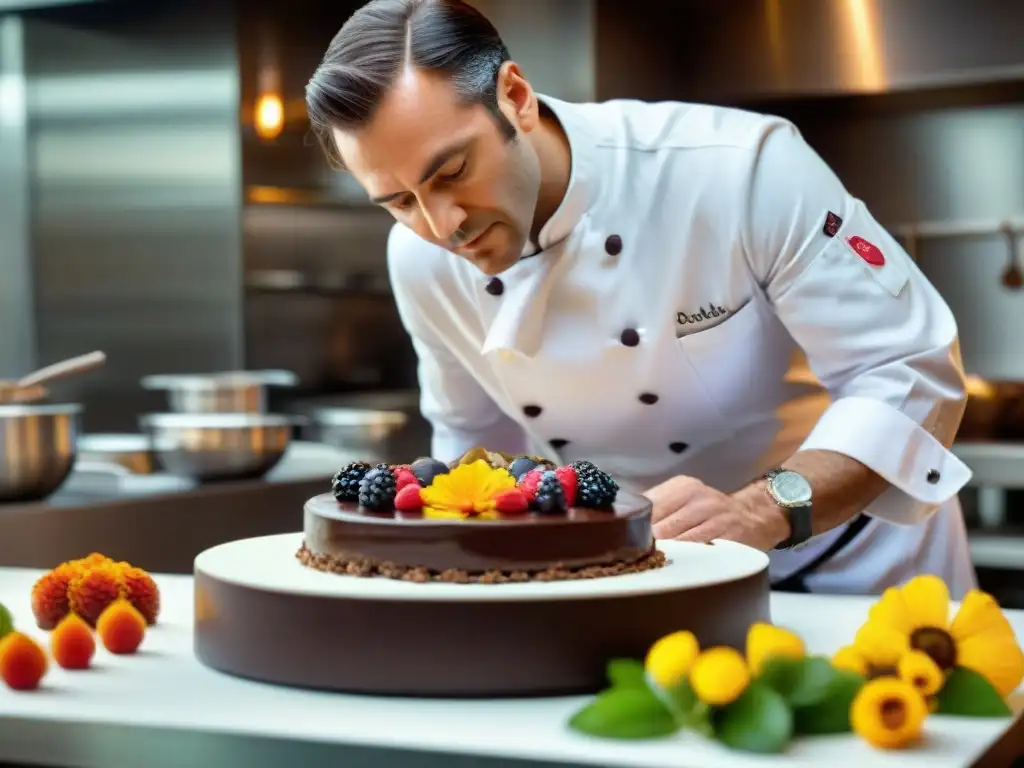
<point>453,170</point>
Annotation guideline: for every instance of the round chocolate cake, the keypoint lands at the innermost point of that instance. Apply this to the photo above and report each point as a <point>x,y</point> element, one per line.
<point>486,518</point>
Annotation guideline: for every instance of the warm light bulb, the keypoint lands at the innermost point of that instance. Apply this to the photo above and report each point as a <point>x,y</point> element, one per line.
<point>269,116</point>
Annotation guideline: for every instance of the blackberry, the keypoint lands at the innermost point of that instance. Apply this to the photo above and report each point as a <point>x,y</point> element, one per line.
<point>345,484</point>
<point>377,489</point>
<point>550,498</point>
<point>594,488</point>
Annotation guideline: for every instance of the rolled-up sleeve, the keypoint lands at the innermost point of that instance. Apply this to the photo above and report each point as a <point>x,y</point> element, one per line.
<point>877,334</point>
<point>461,413</point>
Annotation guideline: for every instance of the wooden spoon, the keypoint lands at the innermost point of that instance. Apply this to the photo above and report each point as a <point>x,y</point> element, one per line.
<point>30,388</point>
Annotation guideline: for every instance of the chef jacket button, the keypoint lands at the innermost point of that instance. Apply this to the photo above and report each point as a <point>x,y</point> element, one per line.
<point>495,287</point>
<point>630,337</point>
<point>613,245</point>
<point>933,476</point>
<point>648,398</point>
<point>533,411</point>
<point>677,447</point>
<point>558,443</point>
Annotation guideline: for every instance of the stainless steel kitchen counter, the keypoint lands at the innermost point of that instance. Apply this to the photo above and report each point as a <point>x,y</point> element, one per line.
<point>161,533</point>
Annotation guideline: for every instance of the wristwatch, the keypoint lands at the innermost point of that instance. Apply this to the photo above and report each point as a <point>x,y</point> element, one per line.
<point>791,491</point>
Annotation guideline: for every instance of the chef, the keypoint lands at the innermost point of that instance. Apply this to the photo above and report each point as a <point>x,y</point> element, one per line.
<point>685,295</point>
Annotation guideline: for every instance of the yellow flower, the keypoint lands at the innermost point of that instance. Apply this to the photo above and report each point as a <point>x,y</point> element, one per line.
<point>918,669</point>
<point>888,713</point>
<point>766,641</point>
<point>850,659</point>
<point>719,675</point>
<point>469,490</point>
<point>669,660</point>
<point>916,617</point>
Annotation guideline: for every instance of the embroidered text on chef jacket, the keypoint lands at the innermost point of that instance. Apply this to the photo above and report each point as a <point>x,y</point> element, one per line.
<point>707,300</point>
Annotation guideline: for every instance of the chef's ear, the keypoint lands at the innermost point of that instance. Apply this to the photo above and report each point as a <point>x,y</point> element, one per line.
<point>516,98</point>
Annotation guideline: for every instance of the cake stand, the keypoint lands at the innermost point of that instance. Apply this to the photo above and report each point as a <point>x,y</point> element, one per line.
<point>262,615</point>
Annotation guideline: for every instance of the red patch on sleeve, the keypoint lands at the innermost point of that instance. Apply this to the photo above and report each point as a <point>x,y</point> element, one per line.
<point>868,251</point>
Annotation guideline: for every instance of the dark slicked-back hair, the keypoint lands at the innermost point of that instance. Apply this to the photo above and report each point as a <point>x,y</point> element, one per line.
<point>381,39</point>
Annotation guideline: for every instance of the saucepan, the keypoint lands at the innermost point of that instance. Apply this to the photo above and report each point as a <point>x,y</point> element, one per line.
<point>218,446</point>
<point>228,392</point>
<point>37,449</point>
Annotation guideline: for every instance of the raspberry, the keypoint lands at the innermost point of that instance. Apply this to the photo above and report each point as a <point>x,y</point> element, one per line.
<point>511,502</point>
<point>405,477</point>
<point>529,482</point>
<point>409,498</point>
<point>567,477</point>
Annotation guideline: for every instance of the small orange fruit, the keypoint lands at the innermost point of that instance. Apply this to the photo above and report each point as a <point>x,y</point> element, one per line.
<point>23,662</point>
<point>121,627</point>
<point>72,643</point>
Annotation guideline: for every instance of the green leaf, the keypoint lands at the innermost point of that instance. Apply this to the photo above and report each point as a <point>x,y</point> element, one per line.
<point>758,721</point>
<point>625,713</point>
<point>681,699</point>
<point>801,682</point>
<point>626,673</point>
<point>832,713</point>
<point>6,621</point>
<point>968,694</point>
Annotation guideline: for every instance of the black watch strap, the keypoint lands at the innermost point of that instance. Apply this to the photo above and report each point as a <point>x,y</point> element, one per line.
<point>799,526</point>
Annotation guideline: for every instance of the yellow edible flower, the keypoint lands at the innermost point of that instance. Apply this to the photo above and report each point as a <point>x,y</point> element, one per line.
<point>918,669</point>
<point>888,713</point>
<point>669,660</point>
<point>719,676</point>
<point>766,641</point>
<point>916,617</point>
<point>469,490</point>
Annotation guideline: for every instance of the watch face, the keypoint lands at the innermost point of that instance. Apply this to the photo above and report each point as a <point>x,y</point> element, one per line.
<point>791,488</point>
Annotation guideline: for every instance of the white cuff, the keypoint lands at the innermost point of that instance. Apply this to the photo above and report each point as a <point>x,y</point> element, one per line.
<point>896,447</point>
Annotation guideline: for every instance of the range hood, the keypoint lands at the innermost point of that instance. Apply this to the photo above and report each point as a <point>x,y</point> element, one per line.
<point>757,50</point>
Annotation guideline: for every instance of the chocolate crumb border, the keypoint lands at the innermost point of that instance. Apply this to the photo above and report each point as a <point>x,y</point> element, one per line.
<point>365,568</point>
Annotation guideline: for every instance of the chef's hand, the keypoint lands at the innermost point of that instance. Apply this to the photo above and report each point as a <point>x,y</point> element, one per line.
<point>687,510</point>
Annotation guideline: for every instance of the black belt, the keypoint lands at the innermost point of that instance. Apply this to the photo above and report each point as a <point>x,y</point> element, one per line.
<point>796,582</point>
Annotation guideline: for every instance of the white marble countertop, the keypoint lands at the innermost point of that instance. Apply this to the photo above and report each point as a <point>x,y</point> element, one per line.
<point>163,708</point>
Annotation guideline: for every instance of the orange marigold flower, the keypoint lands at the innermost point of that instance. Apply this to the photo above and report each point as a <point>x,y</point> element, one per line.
<point>139,588</point>
<point>90,593</point>
<point>50,597</point>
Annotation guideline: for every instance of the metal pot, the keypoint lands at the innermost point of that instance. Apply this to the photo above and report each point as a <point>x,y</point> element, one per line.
<point>373,427</point>
<point>218,446</point>
<point>230,392</point>
<point>37,449</point>
<point>133,452</point>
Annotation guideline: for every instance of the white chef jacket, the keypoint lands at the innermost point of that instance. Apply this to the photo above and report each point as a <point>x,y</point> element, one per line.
<point>707,300</point>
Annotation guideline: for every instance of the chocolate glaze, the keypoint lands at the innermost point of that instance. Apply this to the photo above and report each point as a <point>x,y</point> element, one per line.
<point>530,542</point>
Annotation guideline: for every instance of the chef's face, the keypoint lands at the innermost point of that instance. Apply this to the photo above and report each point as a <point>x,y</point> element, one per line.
<point>452,172</point>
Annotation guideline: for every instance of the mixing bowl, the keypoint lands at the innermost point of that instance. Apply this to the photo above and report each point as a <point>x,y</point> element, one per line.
<point>231,392</point>
<point>37,449</point>
<point>218,446</point>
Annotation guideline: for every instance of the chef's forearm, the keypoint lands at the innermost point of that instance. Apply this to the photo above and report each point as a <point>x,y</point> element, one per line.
<point>842,487</point>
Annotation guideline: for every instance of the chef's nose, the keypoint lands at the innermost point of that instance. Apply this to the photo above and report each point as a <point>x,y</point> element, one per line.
<point>443,217</point>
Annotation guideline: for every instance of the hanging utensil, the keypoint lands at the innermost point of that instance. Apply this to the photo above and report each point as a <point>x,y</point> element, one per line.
<point>1012,276</point>
<point>30,387</point>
